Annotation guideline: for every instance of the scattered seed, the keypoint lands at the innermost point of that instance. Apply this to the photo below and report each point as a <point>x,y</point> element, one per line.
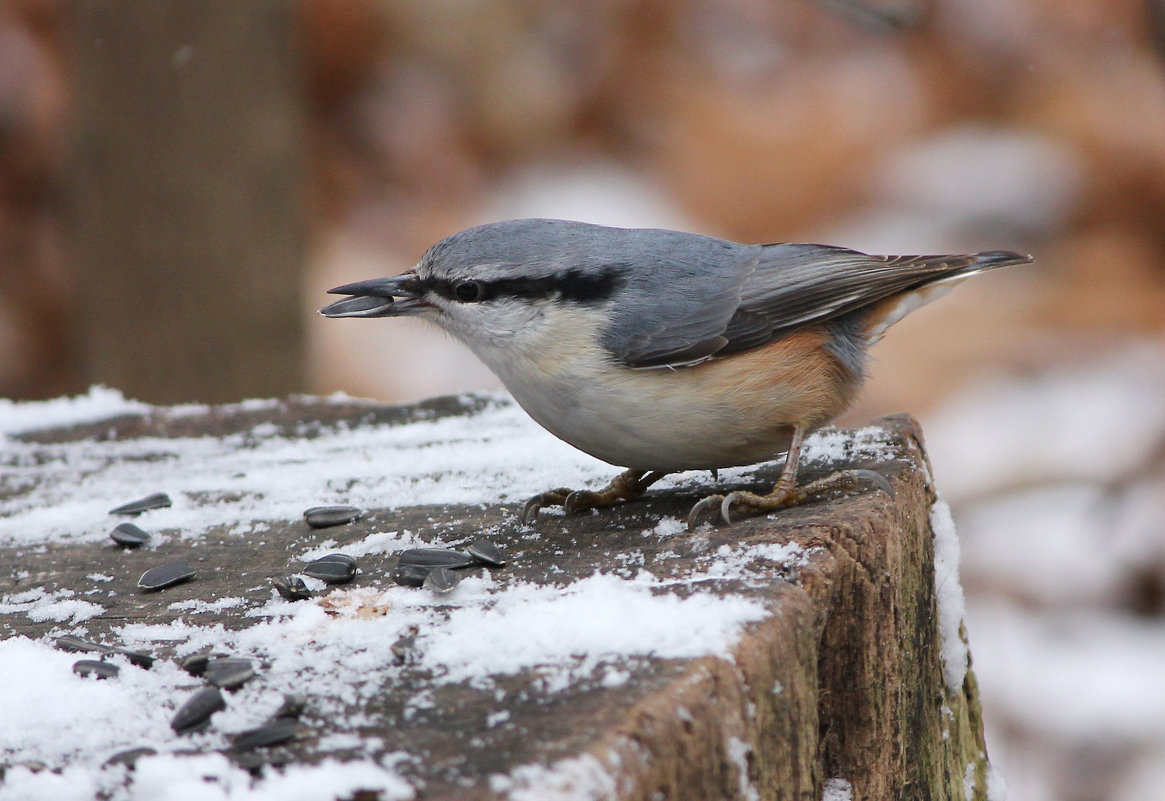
<point>129,535</point>
<point>94,667</point>
<point>195,664</point>
<point>77,645</point>
<point>228,673</point>
<point>277,731</point>
<point>436,557</point>
<point>291,587</point>
<point>137,658</point>
<point>158,500</point>
<point>411,575</point>
<point>128,758</point>
<point>196,712</point>
<point>486,552</point>
<point>326,516</point>
<point>167,575</point>
<point>293,706</point>
<point>441,580</point>
<point>334,568</point>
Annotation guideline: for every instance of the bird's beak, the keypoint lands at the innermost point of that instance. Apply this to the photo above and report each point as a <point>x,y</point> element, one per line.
<point>398,296</point>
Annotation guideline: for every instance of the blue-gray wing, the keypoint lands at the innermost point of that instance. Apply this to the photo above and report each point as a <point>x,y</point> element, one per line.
<point>753,294</point>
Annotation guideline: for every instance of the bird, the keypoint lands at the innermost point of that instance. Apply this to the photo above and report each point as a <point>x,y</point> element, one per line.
<point>663,351</point>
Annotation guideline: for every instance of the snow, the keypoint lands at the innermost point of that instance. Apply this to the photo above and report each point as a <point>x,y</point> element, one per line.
<point>738,752</point>
<point>1057,481</point>
<point>949,595</point>
<point>837,790</point>
<point>580,778</point>
<point>493,625</point>
<point>100,403</point>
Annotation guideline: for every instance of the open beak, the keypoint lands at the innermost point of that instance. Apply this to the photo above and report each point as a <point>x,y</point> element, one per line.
<point>398,296</point>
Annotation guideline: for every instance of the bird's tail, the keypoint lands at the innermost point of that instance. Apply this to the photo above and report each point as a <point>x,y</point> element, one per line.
<point>890,310</point>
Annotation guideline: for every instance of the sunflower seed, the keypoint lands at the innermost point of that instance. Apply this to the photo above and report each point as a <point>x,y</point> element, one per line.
<point>293,706</point>
<point>128,758</point>
<point>334,568</point>
<point>291,587</point>
<point>94,667</point>
<point>135,657</point>
<point>129,535</point>
<point>325,516</point>
<point>158,500</point>
<point>196,712</point>
<point>167,575</point>
<point>486,552</point>
<point>273,733</point>
<point>435,557</point>
<point>411,575</point>
<point>195,664</point>
<point>441,580</point>
<point>229,673</point>
<point>77,645</point>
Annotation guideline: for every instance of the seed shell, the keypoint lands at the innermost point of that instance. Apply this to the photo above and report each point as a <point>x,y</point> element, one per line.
<point>167,575</point>
<point>441,580</point>
<point>158,500</point>
<point>196,712</point>
<point>327,516</point>
<point>436,557</point>
<point>486,552</point>
<point>95,667</point>
<point>129,535</point>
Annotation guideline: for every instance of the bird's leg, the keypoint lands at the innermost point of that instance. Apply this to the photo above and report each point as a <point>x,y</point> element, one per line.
<point>628,485</point>
<point>785,492</point>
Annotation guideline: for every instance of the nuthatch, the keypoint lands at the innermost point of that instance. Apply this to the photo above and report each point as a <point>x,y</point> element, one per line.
<point>662,351</point>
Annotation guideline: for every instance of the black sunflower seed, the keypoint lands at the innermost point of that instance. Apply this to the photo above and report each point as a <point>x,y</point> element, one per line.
<point>410,575</point>
<point>228,673</point>
<point>277,731</point>
<point>326,516</point>
<point>167,575</point>
<point>436,557</point>
<point>94,667</point>
<point>196,712</point>
<point>486,552</point>
<point>156,501</point>
<point>291,587</point>
<point>441,580</point>
<point>129,757</point>
<point>129,535</point>
<point>333,568</point>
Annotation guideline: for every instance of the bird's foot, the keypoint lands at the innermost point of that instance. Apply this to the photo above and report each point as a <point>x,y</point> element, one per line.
<point>624,487</point>
<point>744,504</point>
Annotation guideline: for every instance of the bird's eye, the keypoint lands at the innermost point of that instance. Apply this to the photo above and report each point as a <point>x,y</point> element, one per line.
<point>468,291</point>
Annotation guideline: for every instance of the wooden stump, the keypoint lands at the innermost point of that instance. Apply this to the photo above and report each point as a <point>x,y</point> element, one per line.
<point>842,679</point>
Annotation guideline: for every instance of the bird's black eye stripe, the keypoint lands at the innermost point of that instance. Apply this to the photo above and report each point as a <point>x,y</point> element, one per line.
<point>572,285</point>
<point>468,291</point>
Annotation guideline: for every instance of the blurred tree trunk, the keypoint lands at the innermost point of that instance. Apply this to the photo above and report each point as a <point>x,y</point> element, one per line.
<point>185,229</point>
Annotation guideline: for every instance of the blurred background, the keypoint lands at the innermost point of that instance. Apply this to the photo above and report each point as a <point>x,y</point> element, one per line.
<point>180,182</point>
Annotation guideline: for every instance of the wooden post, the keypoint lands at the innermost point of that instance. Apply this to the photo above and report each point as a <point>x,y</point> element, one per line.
<point>185,226</point>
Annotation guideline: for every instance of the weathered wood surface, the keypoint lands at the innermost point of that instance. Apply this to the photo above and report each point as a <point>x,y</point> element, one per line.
<point>844,678</point>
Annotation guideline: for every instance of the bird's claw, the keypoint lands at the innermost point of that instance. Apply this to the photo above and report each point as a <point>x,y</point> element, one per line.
<point>581,500</point>
<point>702,508</point>
<point>874,477</point>
<point>554,497</point>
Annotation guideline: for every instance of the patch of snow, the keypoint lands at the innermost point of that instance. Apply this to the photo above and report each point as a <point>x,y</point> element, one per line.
<point>952,605</point>
<point>837,790</point>
<point>99,403</point>
<point>39,606</point>
<point>576,627</point>
<point>738,752</point>
<point>582,778</point>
